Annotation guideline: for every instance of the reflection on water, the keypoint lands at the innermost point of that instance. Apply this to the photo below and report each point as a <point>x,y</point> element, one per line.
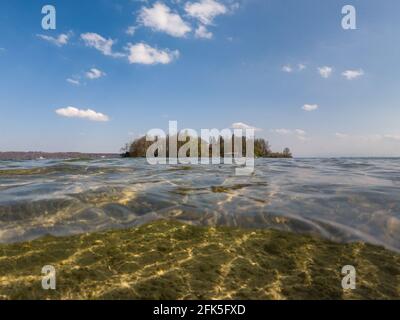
<point>341,199</point>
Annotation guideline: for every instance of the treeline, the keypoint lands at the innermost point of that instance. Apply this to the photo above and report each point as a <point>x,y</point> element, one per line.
<point>262,149</point>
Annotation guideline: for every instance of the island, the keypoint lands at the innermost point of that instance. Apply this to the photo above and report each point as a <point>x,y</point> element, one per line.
<point>262,148</point>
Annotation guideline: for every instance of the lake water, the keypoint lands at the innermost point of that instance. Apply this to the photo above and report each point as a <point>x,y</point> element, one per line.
<point>340,199</point>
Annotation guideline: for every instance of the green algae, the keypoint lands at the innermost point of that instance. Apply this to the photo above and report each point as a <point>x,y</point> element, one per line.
<point>22,172</point>
<point>170,260</point>
<point>227,189</point>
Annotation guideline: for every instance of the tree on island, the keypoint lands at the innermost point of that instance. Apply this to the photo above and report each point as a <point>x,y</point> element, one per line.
<point>262,149</point>
<point>287,153</point>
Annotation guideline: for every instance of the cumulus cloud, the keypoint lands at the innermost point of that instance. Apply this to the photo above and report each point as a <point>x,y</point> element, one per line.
<point>353,74</point>
<point>144,54</point>
<point>310,107</point>
<point>161,18</point>
<point>73,81</point>
<point>287,68</point>
<point>205,10</point>
<point>244,126</point>
<point>94,74</point>
<point>202,32</point>
<point>100,43</point>
<point>59,41</point>
<point>72,112</point>
<point>325,72</point>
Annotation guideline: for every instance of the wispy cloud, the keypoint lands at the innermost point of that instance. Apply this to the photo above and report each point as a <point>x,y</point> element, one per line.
<point>59,41</point>
<point>310,107</point>
<point>287,68</point>
<point>301,66</point>
<point>300,132</point>
<point>353,74</point>
<point>244,126</point>
<point>368,137</point>
<point>395,137</point>
<point>94,73</point>
<point>100,43</point>
<point>131,30</point>
<point>75,82</point>
<point>297,133</point>
<point>341,135</point>
<point>142,53</point>
<point>282,131</point>
<point>161,18</point>
<point>325,72</point>
<point>72,112</point>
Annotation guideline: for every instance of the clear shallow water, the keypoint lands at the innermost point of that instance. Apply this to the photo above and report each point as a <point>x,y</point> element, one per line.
<point>340,199</point>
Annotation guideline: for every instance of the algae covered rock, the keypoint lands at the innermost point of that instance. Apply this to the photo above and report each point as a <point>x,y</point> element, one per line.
<point>170,260</point>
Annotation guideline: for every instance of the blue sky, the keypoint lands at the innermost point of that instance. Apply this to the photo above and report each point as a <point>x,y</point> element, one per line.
<point>206,64</point>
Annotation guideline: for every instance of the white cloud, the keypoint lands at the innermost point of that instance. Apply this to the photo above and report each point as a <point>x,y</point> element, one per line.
<point>283,131</point>
<point>301,66</point>
<point>325,71</point>
<point>144,54</point>
<point>94,74</point>
<point>353,74</point>
<point>300,132</point>
<point>206,10</point>
<point>73,81</point>
<point>72,112</point>
<point>59,41</point>
<point>202,32</point>
<point>131,30</point>
<point>161,18</point>
<point>341,135</point>
<point>310,107</point>
<point>244,126</point>
<point>287,68</point>
<point>100,43</point>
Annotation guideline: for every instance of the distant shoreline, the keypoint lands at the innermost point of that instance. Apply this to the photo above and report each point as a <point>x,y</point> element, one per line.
<point>35,155</point>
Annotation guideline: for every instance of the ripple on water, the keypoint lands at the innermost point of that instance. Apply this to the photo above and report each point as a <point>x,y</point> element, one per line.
<point>341,199</point>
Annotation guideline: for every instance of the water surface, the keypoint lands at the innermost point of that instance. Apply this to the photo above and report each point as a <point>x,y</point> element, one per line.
<point>340,199</point>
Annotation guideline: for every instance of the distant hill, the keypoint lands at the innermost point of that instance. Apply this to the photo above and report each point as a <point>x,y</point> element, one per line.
<point>35,155</point>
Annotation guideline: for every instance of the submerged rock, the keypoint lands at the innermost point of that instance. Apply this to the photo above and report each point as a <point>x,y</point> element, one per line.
<point>170,260</point>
